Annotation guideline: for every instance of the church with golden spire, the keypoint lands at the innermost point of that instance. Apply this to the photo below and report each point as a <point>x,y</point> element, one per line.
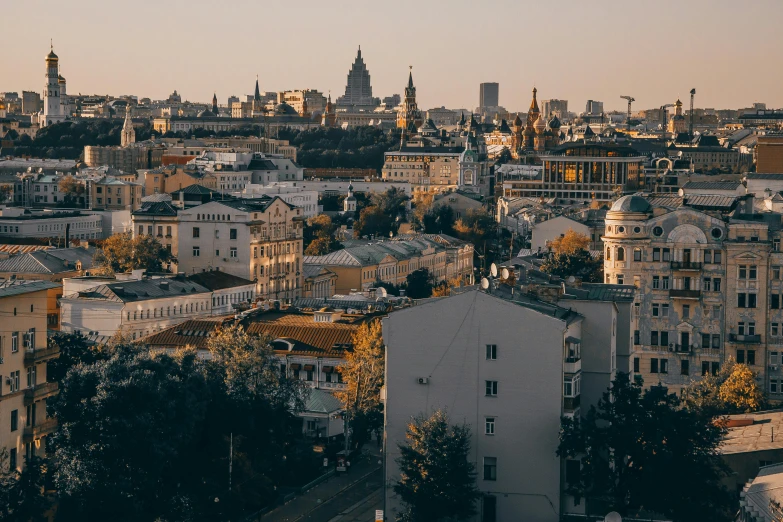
<point>536,135</point>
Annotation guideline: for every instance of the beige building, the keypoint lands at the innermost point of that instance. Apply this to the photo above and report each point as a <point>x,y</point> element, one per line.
<point>158,219</point>
<point>110,193</point>
<point>165,180</point>
<point>769,154</point>
<point>427,169</point>
<point>127,159</point>
<point>24,423</point>
<point>360,266</point>
<point>709,287</point>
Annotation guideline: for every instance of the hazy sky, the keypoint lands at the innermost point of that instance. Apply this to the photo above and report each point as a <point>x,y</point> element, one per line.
<point>654,51</point>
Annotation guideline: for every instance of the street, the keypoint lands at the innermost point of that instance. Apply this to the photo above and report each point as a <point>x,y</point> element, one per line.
<point>357,503</point>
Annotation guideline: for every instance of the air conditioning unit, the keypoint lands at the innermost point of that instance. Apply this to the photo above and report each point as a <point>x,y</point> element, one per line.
<point>773,367</point>
<point>424,380</point>
<point>2,360</point>
<point>8,381</point>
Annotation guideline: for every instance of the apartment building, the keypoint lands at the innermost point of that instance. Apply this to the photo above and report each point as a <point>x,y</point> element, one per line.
<point>24,424</point>
<point>257,239</point>
<point>425,168</point>
<point>109,193</point>
<point>360,265</point>
<point>509,364</point>
<point>158,219</point>
<point>708,286</point>
<point>49,265</point>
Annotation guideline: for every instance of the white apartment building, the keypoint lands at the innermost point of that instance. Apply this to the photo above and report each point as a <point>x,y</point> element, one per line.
<point>16,222</point>
<point>255,239</point>
<point>508,365</point>
<point>307,200</point>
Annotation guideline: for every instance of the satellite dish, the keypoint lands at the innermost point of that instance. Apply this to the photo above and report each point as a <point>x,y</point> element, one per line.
<point>572,279</point>
<point>493,270</point>
<point>614,516</point>
<point>504,273</point>
<point>382,291</point>
<point>484,283</point>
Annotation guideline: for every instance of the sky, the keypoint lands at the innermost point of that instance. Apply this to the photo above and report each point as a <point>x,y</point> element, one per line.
<point>653,50</point>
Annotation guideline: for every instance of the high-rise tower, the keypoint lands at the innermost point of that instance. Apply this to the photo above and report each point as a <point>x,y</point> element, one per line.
<point>358,91</point>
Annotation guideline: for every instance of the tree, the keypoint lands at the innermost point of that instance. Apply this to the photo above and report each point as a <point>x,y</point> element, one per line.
<point>374,222</point>
<point>71,188</point>
<point>319,236</point>
<point>146,436</point>
<point>73,350</point>
<point>444,289</point>
<point>419,284</point>
<point>5,192</point>
<point>439,220</point>
<point>363,377</point>
<point>437,480</point>
<point>731,390</point>
<point>22,496</point>
<point>641,452</point>
<point>475,227</point>
<point>422,204</point>
<point>580,264</point>
<point>392,202</point>
<point>123,253</point>
<point>570,243</point>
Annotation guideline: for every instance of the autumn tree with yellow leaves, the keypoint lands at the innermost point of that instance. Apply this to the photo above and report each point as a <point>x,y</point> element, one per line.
<point>362,373</point>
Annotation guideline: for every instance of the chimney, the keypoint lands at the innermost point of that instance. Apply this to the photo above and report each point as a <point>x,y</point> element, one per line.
<point>164,285</point>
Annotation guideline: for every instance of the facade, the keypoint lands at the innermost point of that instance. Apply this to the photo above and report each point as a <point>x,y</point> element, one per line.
<point>361,266</point>
<point>769,154</point>
<point>578,172</point>
<point>489,94</point>
<point>24,424</point>
<point>20,224</point>
<point>53,94</point>
<point>319,282</point>
<point>256,239</point>
<point>594,108</point>
<point>131,158</point>
<point>158,219</point>
<point>553,107</point>
<point>427,169</point>
<point>110,193</point>
<point>510,366</point>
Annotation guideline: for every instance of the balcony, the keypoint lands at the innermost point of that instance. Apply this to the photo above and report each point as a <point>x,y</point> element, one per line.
<point>331,385</point>
<point>747,339</point>
<point>572,365</point>
<point>34,355</point>
<point>32,433</point>
<point>686,265</point>
<point>571,403</point>
<point>39,391</point>
<point>685,294</point>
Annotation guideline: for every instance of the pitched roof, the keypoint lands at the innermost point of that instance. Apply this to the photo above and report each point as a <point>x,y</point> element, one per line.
<point>712,185</point>
<point>319,401</point>
<point>146,289</point>
<point>193,332</point>
<point>54,261</point>
<point>218,280</point>
<point>12,288</point>
<point>307,336</point>
<point>156,208</point>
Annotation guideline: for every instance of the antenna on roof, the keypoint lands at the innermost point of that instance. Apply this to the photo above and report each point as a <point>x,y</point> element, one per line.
<point>484,283</point>
<point>493,270</point>
<point>504,273</point>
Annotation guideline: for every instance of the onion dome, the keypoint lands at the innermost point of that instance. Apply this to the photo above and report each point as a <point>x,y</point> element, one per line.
<point>589,132</point>
<point>517,121</point>
<point>285,109</point>
<point>51,57</point>
<point>540,125</point>
<point>554,123</point>
<point>206,113</point>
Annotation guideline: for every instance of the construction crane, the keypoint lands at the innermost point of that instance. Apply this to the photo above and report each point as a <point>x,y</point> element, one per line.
<point>690,127</point>
<point>663,117</point>
<point>630,100</point>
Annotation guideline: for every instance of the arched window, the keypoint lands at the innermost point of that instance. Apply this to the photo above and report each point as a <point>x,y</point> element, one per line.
<point>608,253</point>
<point>620,254</point>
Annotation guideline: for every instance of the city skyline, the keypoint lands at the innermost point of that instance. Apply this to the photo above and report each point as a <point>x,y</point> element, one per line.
<point>628,55</point>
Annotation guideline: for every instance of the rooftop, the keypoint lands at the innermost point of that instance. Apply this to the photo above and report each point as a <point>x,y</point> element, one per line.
<point>218,280</point>
<point>143,290</point>
<point>13,288</point>
<point>712,185</point>
<point>54,261</point>
<point>753,432</point>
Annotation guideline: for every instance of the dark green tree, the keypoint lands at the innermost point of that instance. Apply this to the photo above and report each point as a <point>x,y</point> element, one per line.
<point>641,452</point>
<point>373,221</point>
<point>22,497</point>
<point>437,479</point>
<point>578,264</point>
<point>439,220</point>
<point>419,284</point>
<point>319,236</point>
<point>74,350</point>
<point>393,202</point>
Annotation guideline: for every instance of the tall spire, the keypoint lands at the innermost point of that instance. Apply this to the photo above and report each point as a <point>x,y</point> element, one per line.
<point>410,77</point>
<point>359,54</point>
<point>257,96</point>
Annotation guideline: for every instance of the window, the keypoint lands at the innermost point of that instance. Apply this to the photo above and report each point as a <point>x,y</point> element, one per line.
<point>654,338</point>
<point>705,368</point>
<point>741,356</point>
<point>684,367</point>
<point>716,284</point>
<point>489,426</point>
<point>653,365</point>
<point>14,420</point>
<point>665,282</point>
<point>667,254</point>
<point>705,340</point>
<point>746,300</point>
<point>620,279</point>
<point>708,256</point>
<point>656,310</point>
<point>490,468</point>
<point>751,357</point>
<point>686,311</point>
<point>491,388</point>
<point>656,254</point>
<point>488,504</point>
<point>492,352</point>
<point>656,282</point>
<point>636,337</point>
<point>255,252</point>
<point>620,254</point>
<point>707,284</point>
<point>232,233</point>
<point>233,251</point>
<point>665,310</point>
<point>664,338</point>
<point>14,341</point>
<point>664,366</point>
<point>774,329</point>
<point>773,386</point>
<point>716,257</point>
<point>636,365</point>
<point>196,232</point>
<point>774,301</point>
<point>637,254</point>
<point>196,251</point>
<point>773,358</point>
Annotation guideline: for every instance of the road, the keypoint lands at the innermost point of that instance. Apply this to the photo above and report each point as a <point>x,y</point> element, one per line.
<point>356,504</point>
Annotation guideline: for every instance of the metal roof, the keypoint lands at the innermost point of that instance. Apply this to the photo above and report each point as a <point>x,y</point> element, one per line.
<point>17,287</point>
<point>319,401</point>
<point>146,289</point>
<point>52,261</point>
<point>712,185</point>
